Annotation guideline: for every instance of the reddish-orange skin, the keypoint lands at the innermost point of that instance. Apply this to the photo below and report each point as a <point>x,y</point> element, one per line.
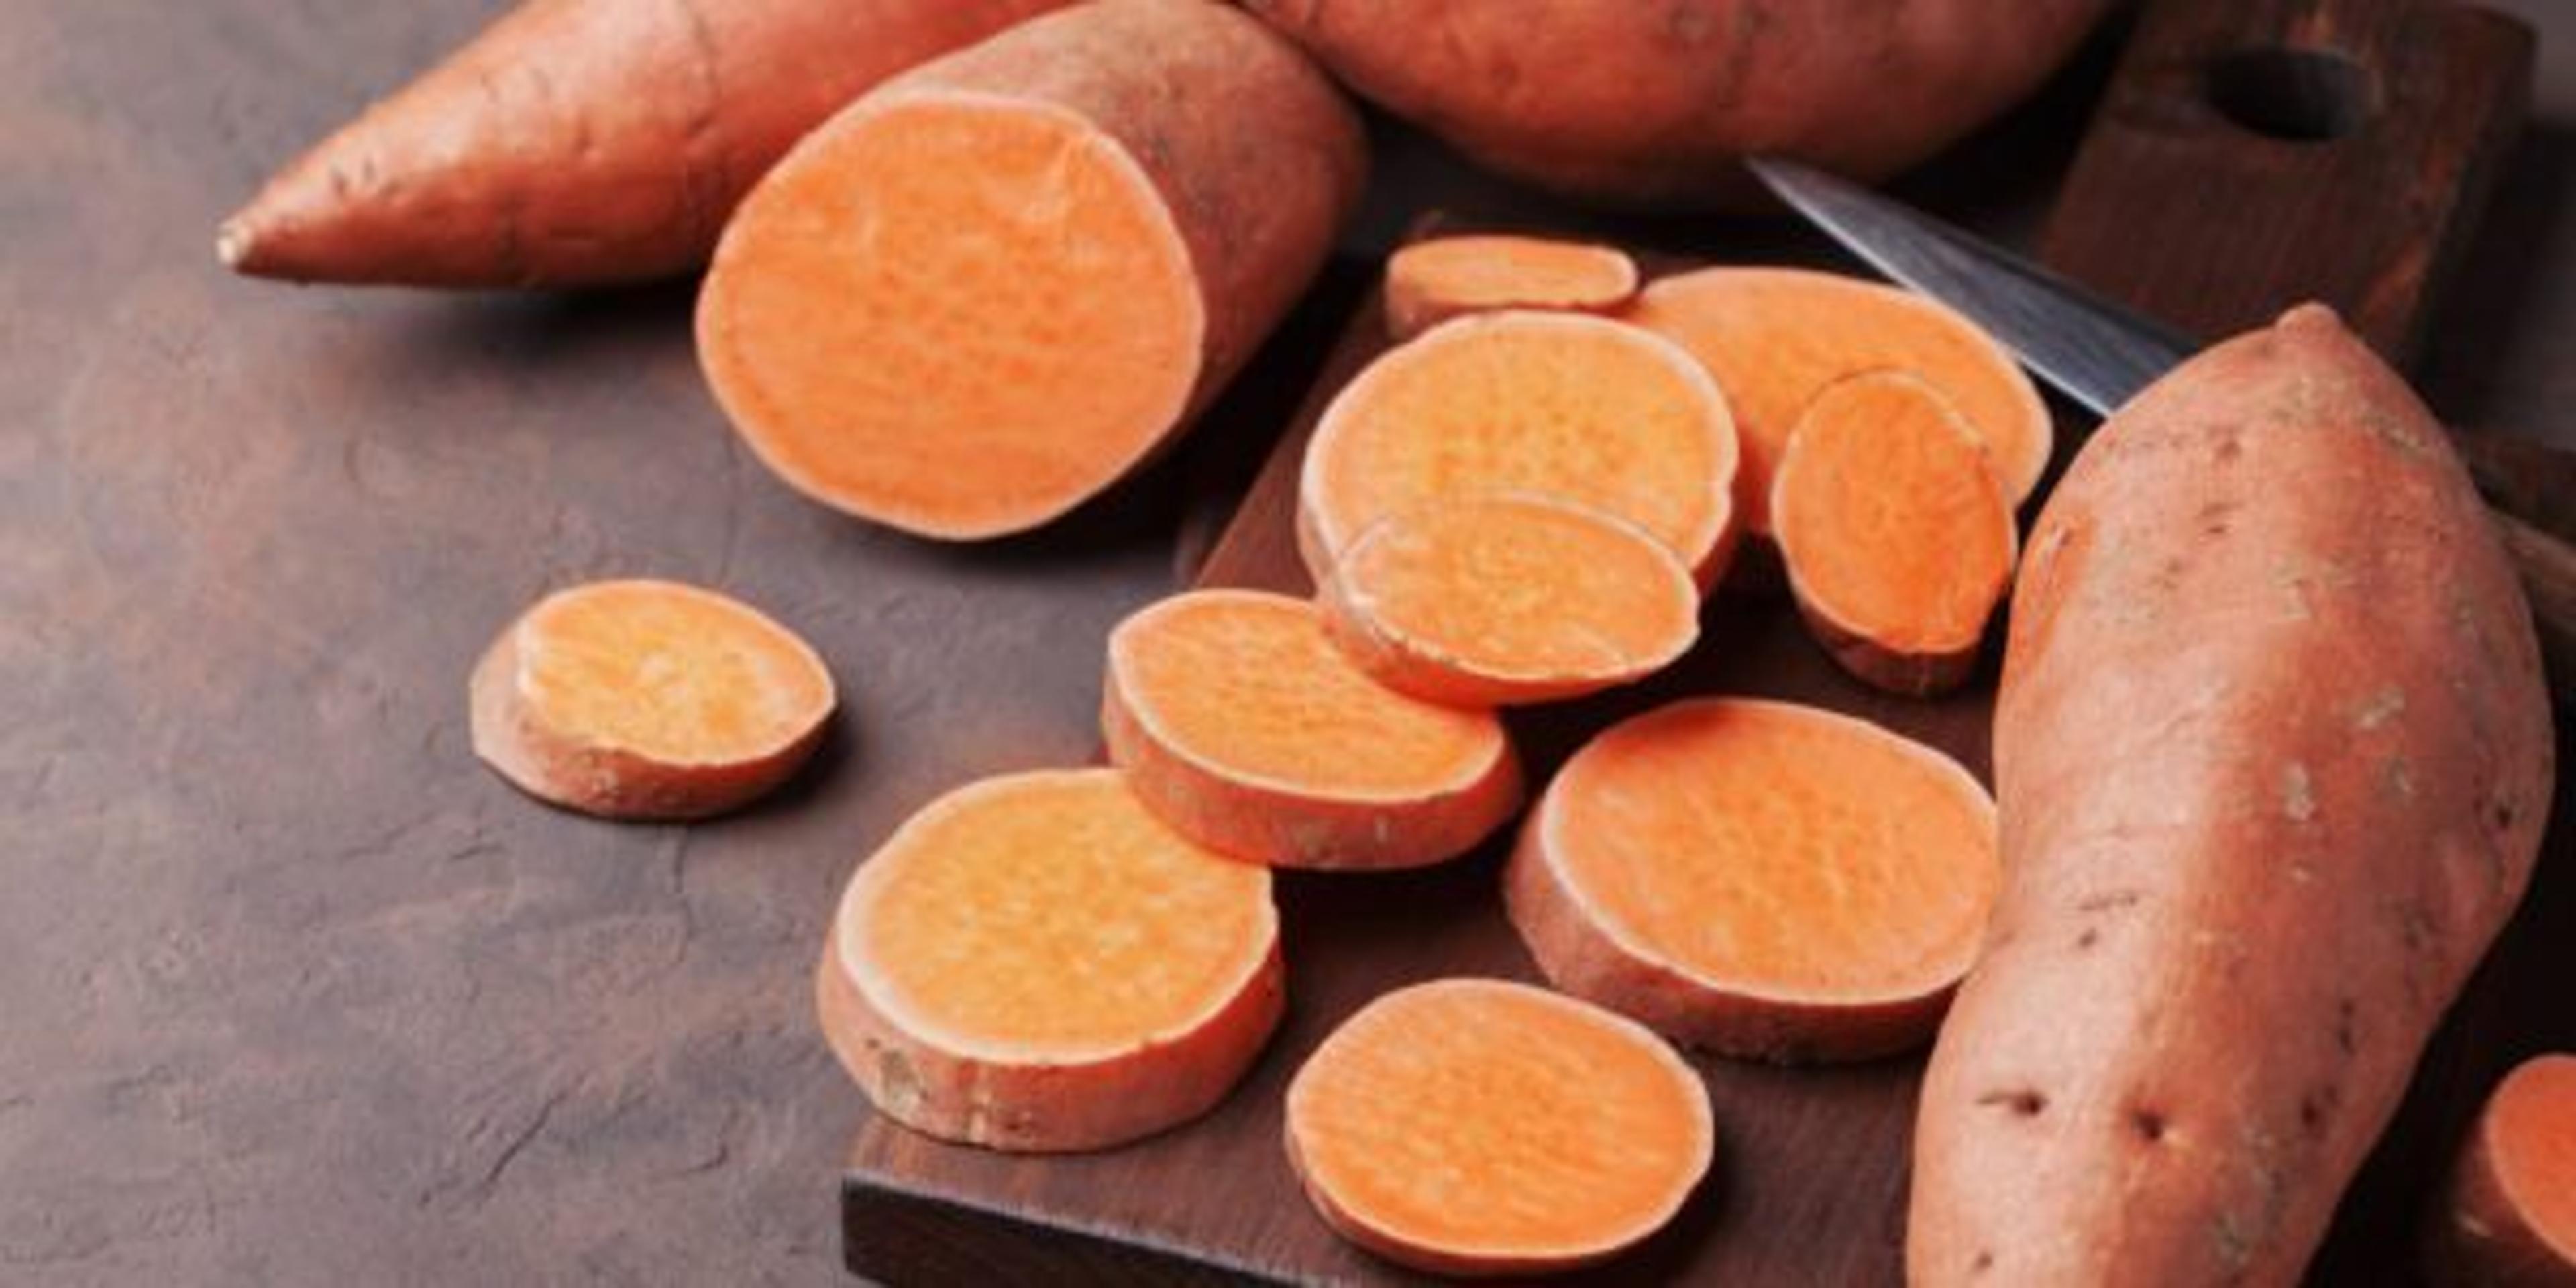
<point>2273,758</point>
<point>580,141</point>
<point>2485,1238</point>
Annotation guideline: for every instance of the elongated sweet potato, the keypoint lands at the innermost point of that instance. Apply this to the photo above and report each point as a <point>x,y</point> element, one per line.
<point>1896,535</point>
<point>2509,1220</point>
<point>1636,103</point>
<point>647,700</point>
<point>582,141</point>
<point>992,286</point>
<point>1764,880</point>
<point>1432,281</point>
<point>1240,723</point>
<point>1474,1126</point>
<point>1562,404</point>
<point>1033,963</point>
<point>2273,755</point>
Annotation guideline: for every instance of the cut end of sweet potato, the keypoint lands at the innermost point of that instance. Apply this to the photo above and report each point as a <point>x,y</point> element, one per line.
<point>1595,411</point>
<point>1432,281</point>
<point>1761,879</point>
<point>1509,598</point>
<point>648,700</point>
<point>958,350</point>
<point>1474,1126</point>
<point>1034,962</point>
<point>2511,1219</point>
<point>1243,726</point>
<point>1897,536</point>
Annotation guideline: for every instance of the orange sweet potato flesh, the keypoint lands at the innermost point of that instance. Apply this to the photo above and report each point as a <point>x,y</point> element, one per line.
<point>1896,535</point>
<point>1242,725</point>
<point>2510,1218</point>
<point>993,286</point>
<point>1439,278</point>
<point>1760,879</point>
<point>585,141</point>
<point>1584,408</point>
<point>2272,752</point>
<point>1509,598</point>
<point>1776,337</point>
<point>1478,1127</point>
<point>1033,963</point>
<point>647,700</point>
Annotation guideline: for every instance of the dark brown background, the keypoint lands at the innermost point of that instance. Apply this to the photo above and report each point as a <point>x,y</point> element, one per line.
<point>290,991</point>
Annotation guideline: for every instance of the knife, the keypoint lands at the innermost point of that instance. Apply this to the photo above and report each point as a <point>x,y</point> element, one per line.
<point>2100,354</point>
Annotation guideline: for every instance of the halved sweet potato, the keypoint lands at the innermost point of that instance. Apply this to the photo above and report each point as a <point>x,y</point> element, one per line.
<point>1474,1126</point>
<point>1034,963</point>
<point>647,700</point>
<point>1431,281</point>
<point>1760,879</point>
<point>2510,1221</point>
<point>1240,723</point>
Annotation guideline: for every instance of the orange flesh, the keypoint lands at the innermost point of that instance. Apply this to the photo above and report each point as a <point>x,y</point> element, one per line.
<point>1564,405</point>
<point>1250,683</point>
<point>1482,1118</point>
<point>960,349</point>
<point>1461,274</point>
<point>1049,913</point>
<point>1778,851</point>
<point>2532,1137</point>
<point>1890,519</point>
<point>1774,338</point>
<point>668,672</point>
<point>1524,586</point>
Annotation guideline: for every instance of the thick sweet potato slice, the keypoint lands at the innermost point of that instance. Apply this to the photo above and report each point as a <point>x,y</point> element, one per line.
<point>1509,598</point>
<point>647,700</point>
<point>1034,963</point>
<point>1240,723</point>
<point>1432,281</point>
<point>1585,408</point>
<point>1775,337</point>
<point>1760,879</point>
<point>1473,1126</point>
<point>991,287</point>
<point>1897,537</point>
<point>2511,1218</point>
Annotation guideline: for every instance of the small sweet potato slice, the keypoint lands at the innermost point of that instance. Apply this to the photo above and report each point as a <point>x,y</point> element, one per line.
<point>1897,537</point>
<point>1478,1127</point>
<point>1566,404</point>
<point>2511,1218</point>
<point>1509,598</point>
<point>1439,278</point>
<point>1760,879</point>
<point>647,700</point>
<point>1034,963</point>
<point>1240,723</point>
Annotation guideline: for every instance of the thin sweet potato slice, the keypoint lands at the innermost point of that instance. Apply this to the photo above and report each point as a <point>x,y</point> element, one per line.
<point>1775,337</point>
<point>1509,598</point>
<point>1240,723</point>
<point>1474,1126</point>
<point>2511,1218</point>
<point>1760,879</point>
<point>1565,404</point>
<point>1034,963</point>
<point>1897,537</point>
<point>647,700</point>
<point>1439,278</point>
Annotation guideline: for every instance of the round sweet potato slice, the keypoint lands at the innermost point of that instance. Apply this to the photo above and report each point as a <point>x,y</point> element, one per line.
<point>1439,278</point>
<point>2511,1218</point>
<point>1760,879</point>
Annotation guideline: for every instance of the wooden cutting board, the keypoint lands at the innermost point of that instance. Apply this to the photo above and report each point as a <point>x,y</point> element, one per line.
<point>2227,174</point>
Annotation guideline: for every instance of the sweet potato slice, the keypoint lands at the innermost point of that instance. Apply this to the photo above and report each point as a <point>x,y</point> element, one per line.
<point>991,287</point>
<point>1240,723</point>
<point>1509,598</point>
<point>1474,1126</point>
<point>1775,337</point>
<point>647,700</point>
<point>1034,963</point>
<point>1585,408</point>
<point>1439,278</point>
<point>1764,880</point>
<point>1897,537</point>
<point>2511,1217</point>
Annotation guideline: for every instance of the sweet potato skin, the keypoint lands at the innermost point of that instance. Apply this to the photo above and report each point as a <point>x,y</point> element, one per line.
<point>2273,758</point>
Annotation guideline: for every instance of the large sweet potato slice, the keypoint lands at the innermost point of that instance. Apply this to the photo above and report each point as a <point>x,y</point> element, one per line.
<point>2510,1218</point>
